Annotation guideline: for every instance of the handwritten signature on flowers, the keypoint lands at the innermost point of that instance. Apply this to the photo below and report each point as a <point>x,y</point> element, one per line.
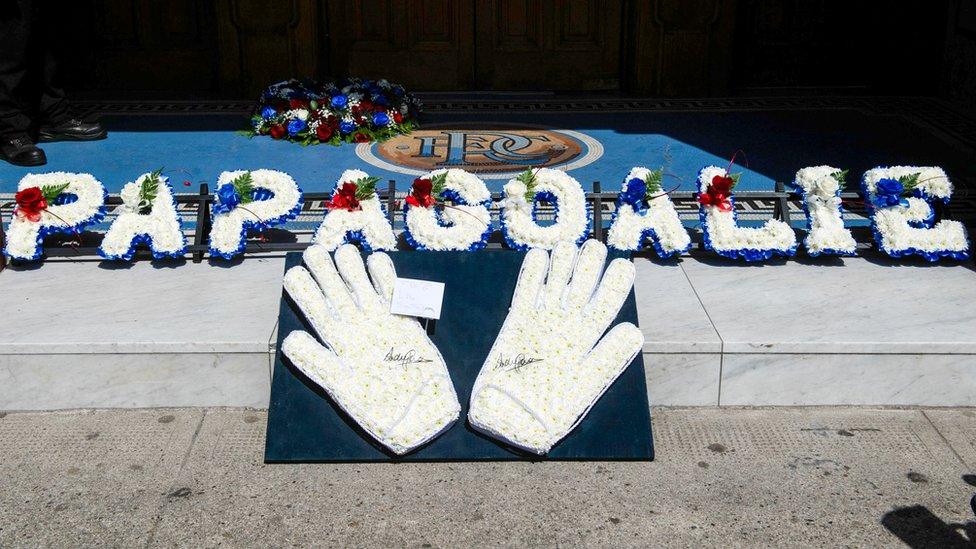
<point>513,364</point>
<point>405,359</point>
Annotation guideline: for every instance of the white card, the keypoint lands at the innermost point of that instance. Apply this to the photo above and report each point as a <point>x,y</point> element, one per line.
<point>422,298</point>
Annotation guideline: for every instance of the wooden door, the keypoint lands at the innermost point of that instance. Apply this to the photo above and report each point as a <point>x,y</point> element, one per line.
<point>548,44</point>
<point>422,44</point>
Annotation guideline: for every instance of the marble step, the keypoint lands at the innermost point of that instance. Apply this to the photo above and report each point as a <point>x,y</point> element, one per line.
<point>78,334</point>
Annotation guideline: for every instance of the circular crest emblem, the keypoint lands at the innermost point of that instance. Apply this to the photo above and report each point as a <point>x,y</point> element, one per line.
<point>492,151</point>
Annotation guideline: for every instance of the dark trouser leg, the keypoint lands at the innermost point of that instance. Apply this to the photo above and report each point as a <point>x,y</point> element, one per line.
<point>15,103</point>
<point>52,105</point>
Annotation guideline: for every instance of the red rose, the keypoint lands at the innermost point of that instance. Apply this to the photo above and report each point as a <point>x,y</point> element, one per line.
<point>420,193</point>
<point>332,121</point>
<point>397,117</point>
<point>30,203</point>
<point>277,132</point>
<point>360,137</point>
<point>721,184</point>
<point>345,198</point>
<point>323,132</point>
<point>366,106</point>
<point>296,104</point>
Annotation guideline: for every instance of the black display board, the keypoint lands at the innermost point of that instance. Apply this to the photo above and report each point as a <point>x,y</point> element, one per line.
<point>305,425</point>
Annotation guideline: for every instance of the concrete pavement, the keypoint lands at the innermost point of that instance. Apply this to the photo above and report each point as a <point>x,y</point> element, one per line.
<point>723,477</point>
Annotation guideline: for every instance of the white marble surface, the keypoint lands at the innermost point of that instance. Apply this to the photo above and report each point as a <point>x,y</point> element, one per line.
<point>848,379</point>
<point>51,382</point>
<point>669,313</point>
<point>81,307</point>
<point>856,305</point>
<point>682,379</point>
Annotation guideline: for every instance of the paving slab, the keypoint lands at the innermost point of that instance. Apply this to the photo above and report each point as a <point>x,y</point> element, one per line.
<point>785,477</point>
<point>88,478</point>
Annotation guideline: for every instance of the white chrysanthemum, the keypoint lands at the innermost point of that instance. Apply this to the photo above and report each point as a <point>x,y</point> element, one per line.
<point>369,221</point>
<point>821,194</point>
<point>24,236</point>
<point>629,225</point>
<point>161,224</point>
<point>894,233</point>
<point>456,228</point>
<point>571,225</point>
<point>724,235</point>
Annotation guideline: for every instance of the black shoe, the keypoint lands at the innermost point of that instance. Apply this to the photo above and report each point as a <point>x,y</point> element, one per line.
<point>21,151</point>
<point>71,130</point>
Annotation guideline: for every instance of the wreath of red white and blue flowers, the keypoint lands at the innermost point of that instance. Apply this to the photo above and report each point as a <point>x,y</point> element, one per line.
<point>346,111</point>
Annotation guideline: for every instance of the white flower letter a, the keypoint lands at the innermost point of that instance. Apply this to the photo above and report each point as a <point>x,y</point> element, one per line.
<point>157,223</point>
<point>658,222</point>
<point>364,223</point>
<point>899,199</point>
<point>73,201</point>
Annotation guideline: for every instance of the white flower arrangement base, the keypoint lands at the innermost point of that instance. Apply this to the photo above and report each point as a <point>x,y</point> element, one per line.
<point>82,204</point>
<point>380,368</point>
<point>465,226</point>
<point>820,188</point>
<point>228,233</point>
<point>367,225</point>
<point>909,228</point>
<point>724,236</point>
<point>658,223</point>
<point>549,364</point>
<point>518,220</point>
<point>161,229</point>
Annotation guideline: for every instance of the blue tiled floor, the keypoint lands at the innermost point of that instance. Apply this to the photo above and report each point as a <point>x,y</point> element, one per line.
<point>196,148</point>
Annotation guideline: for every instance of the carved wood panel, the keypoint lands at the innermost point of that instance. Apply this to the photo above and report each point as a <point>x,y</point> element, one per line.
<point>548,44</point>
<point>264,41</point>
<point>422,44</point>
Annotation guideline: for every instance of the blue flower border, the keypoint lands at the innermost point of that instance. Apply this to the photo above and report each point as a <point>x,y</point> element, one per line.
<point>649,233</point>
<point>249,225</point>
<point>46,230</point>
<point>144,238</point>
<point>748,254</point>
<point>806,212</point>
<point>926,223</point>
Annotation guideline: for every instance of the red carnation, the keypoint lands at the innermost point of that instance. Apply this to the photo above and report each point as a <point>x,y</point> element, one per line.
<point>323,132</point>
<point>397,117</point>
<point>30,204</point>
<point>420,193</point>
<point>360,137</point>
<point>345,198</point>
<point>278,131</point>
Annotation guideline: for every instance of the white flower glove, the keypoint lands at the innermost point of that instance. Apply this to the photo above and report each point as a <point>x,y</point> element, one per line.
<point>546,368</point>
<point>381,368</point>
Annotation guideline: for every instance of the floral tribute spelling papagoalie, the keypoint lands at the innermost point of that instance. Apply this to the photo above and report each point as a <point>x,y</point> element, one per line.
<point>450,210</point>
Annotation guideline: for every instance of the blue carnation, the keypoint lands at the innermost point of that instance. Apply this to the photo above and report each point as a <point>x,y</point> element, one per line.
<point>296,126</point>
<point>227,198</point>
<point>381,119</point>
<point>634,195</point>
<point>339,101</point>
<point>268,113</point>
<point>347,127</point>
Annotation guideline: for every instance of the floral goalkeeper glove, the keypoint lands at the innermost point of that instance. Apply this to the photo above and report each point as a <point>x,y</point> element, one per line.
<point>549,365</point>
<point>380,368</point>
